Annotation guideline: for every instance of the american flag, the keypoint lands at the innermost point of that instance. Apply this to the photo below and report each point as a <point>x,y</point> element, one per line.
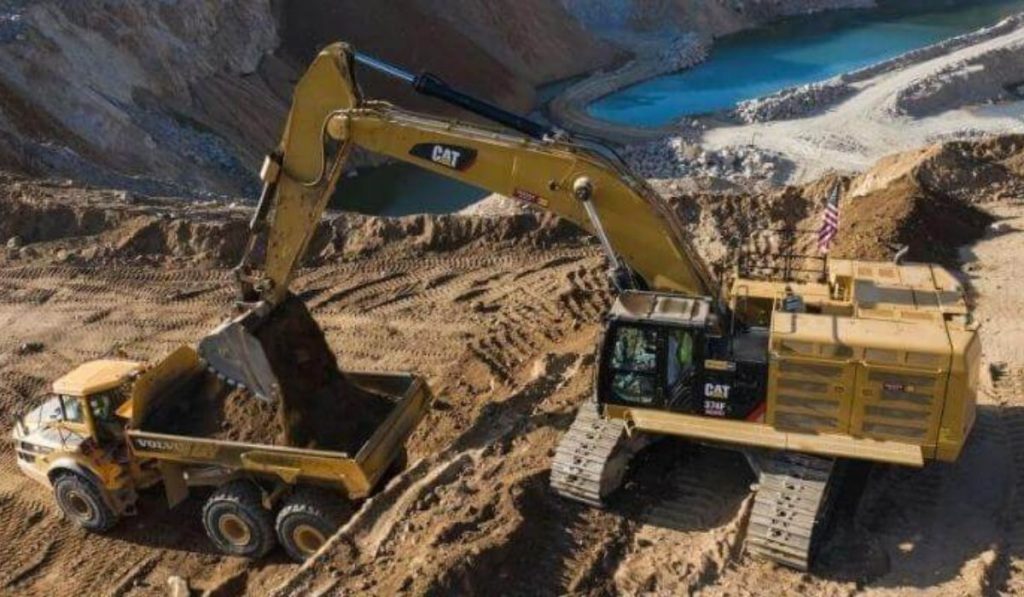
<point>830,222</point>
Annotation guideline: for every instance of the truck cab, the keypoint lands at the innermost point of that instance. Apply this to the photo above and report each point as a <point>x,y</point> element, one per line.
<point>74,442</point>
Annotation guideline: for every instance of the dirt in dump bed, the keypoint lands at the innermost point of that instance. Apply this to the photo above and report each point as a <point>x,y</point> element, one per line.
<point>321,408</point>
<point>206,407</point>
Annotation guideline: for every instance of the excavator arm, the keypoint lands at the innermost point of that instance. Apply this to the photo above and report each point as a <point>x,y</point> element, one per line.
<point>583,182</point>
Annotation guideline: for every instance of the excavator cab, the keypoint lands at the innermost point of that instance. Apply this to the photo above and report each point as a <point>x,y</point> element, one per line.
<point>666,352</point>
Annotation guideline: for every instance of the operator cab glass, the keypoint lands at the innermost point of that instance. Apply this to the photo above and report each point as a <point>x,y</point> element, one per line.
<point>651,366</point>
<point>678,368</point>
<point>104,413</point>
<point>71,407</point>
<point>634,366</point>
<point>98,409</point>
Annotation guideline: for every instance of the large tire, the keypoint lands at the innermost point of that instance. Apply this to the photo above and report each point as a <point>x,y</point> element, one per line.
<point>308,518</point>
<point>83,502</point>
<point>236,521</point>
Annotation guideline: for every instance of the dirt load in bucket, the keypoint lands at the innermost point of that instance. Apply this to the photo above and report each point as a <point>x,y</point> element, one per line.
<point>320,408</point>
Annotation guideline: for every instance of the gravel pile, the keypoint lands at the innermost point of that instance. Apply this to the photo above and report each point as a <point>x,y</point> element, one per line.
<point>673,157</point>
<point>794,102</point>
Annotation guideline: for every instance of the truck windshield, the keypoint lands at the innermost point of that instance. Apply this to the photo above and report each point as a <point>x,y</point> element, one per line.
<point>72,409</point>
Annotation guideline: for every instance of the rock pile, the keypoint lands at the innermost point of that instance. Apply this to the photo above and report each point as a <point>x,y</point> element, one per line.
<point>794,102</point>
<point>673,157</point>
<point>989,77</point>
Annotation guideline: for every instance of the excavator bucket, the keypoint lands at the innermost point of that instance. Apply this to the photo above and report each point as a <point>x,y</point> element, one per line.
<point>282,356</point>
<point>235,354</point>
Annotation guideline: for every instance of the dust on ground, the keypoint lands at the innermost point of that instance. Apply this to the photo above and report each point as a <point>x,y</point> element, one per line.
<point>501,315</point>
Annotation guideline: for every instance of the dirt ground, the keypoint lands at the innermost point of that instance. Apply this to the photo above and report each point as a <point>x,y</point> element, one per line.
<point>501,315</point>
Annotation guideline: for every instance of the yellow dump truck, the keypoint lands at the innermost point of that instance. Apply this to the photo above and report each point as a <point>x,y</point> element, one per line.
<point>102,436</point>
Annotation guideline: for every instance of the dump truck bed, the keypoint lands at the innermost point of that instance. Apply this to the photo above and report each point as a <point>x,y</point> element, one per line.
<point>180,381</point>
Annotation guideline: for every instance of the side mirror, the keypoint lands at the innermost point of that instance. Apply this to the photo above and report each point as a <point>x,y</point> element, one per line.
<point>19,424</point>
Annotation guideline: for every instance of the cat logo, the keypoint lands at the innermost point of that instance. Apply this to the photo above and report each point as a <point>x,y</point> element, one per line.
<point>449,156</point>
<point>715,390</point>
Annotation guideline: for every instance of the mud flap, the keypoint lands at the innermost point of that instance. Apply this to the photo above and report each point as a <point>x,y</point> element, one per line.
<point>236,355</point>
<point>175,487</point>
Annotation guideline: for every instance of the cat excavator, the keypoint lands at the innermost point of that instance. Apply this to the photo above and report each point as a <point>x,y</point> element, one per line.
<point>801,371</point>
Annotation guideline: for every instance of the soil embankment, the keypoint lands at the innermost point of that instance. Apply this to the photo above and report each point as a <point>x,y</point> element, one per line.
<point>501,315</point>
<point>189,96</point>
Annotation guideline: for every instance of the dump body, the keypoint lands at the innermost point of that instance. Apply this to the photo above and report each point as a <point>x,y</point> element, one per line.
<point>193,460</point>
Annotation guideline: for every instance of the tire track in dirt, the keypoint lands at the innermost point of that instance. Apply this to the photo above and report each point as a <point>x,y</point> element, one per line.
<point>1008,574</point>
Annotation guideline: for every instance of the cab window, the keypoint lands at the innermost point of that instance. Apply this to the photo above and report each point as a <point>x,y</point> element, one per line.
<point>104,406</point>
<point>634,366</point>
<point>72,409</point>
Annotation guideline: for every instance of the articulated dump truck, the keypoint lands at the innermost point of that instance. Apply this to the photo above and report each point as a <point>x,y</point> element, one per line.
<point>114,427</point>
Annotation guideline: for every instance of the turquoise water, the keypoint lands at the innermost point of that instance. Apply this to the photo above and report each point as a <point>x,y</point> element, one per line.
<point>798,51</point>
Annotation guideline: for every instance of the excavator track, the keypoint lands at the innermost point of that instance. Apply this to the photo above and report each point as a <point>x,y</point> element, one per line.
<point>591,460</point>
<point>792,507</point>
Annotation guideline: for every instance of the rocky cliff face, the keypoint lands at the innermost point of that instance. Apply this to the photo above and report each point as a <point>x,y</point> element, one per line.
<point>109,91</point>
<point>171,96</point>
<point>497,49</point>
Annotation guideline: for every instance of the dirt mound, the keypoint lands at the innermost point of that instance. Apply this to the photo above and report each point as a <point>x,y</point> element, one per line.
<point>219,412</point>
<point>39,212</point>
<point>973,171</point>
<point>726,226</point>
<point>926,199</point>
<point>246,419</point>
<point>905,214</point>
<point>355,234</point>
<point>221,242</point>
<point>56,221</point>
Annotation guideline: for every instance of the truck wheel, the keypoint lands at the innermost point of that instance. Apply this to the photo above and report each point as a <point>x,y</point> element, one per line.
<point>309,517</point>
<point>236,521</point>
<point>82,501</point>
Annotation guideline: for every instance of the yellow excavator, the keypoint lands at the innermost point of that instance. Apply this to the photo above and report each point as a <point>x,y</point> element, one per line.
<point>802,372</point>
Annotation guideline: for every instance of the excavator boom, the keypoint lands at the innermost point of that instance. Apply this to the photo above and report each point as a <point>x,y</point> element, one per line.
<point>581,181</point>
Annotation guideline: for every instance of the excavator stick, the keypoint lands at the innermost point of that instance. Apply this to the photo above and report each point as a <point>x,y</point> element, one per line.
<point>299,179</point>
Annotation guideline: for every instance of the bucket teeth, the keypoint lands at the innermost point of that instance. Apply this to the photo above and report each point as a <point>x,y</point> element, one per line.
<point>235,355</point>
